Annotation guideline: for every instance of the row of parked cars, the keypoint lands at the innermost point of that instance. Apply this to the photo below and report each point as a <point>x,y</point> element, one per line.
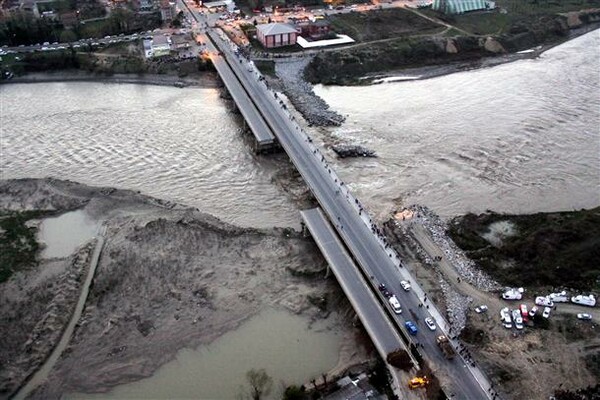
<point>518,317</point>
<point>549,300</point>
<point>397,308</point>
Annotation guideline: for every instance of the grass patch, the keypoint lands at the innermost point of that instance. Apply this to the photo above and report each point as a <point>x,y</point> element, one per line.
<point>485,23</point>
<point>531,7</point>
<point>592,362</point>
<point>381,24</point>
<point>18,245</point>
<point>266,67</point>
<point>549,250</point>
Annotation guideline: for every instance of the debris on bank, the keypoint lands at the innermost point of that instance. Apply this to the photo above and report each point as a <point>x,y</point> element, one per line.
<point>465,267</point>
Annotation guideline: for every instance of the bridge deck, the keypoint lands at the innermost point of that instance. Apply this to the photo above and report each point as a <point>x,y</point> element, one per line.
<point>263,134</point>
<point>373,318</point>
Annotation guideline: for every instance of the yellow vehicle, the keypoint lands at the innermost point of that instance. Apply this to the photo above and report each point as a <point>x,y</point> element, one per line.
<point>418,382</point>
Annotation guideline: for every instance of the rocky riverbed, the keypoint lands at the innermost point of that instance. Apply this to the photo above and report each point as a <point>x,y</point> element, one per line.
<point>314,109</point>
<point>168,277</point>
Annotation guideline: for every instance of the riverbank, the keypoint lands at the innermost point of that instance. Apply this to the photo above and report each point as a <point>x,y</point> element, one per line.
<point>538,251</point>
<point>435,55</point>
<point>206,79</point>
<point>169,277</point>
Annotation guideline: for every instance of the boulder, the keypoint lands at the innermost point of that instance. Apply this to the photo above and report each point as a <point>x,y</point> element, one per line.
<point>493,46</point>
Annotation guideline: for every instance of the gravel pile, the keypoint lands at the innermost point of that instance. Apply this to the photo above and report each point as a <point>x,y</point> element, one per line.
<point>314,109</point>
<point>457,307</point>
<point>466,267</point>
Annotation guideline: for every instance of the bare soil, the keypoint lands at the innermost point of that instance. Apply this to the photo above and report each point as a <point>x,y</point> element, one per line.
<point>168,277</point>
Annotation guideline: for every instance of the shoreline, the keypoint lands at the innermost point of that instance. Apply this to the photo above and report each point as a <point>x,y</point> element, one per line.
<point>434,71</point>
<point>209,79</point>
<point>194,309</point>
<point>204,80</point>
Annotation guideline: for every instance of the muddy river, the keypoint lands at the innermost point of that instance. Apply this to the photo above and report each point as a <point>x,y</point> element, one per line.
<point>282,343</point>
<point>519,137</point>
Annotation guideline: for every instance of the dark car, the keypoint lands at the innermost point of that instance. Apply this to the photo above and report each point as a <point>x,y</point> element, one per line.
<point>383,289</point>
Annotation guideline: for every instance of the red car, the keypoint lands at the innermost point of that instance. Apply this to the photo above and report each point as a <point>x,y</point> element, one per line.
<point>524,312</point>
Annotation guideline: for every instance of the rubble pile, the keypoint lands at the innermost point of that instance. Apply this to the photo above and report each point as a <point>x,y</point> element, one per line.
<point>466,267</point>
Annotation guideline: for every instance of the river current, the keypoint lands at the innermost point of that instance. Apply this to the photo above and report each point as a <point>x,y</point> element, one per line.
<point>519,137</point>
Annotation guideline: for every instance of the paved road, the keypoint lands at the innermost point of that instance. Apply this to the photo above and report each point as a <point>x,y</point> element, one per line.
<point>352,223</point>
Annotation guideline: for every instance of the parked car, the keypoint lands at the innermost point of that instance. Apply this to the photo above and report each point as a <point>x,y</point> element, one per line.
<point>589,300</point>
<point>430,323</point>
<point>584,316</point>
<point>506,320</point>
<point>513,294</point>
<point>517,319</point>
<point>544,301</point>
<point>405,285</point>
<point>524,313</point>
<point>481,309</point>
<point>533,311</point>
<point>411,327</point>
<point>546,313</point>
<point>560,297</point>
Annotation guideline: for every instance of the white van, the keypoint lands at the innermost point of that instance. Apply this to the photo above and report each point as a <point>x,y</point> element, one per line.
<point>559,297</point>
<point>395,304</point>
<point>589,300</point>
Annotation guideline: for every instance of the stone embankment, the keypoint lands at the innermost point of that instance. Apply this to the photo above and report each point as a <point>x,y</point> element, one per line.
<point>466,268</point>
<point>456,304</point>
<point>314,109</point>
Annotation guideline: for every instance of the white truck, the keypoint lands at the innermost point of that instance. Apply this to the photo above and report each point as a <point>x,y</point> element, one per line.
<point>544,301</point>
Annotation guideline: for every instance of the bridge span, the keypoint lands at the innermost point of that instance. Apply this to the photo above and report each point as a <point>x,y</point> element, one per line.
<point>353,226</point>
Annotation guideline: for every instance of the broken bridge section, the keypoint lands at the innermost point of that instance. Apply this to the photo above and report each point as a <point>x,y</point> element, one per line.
<point>367,307</point>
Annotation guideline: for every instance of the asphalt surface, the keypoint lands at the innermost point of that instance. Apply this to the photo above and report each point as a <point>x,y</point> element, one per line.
<point>464,381</point>
<point>257,124</point>
<point>373,317</point>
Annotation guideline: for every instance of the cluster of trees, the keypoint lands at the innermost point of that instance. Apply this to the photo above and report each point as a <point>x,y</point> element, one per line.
<point>25,29</point>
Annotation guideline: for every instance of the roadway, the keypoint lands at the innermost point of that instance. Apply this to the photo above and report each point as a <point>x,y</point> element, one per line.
<point>354,226</point>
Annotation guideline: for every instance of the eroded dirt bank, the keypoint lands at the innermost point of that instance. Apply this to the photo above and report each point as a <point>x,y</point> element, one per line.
<point>168,277</point>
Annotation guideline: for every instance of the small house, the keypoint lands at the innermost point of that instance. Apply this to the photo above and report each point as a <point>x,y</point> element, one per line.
<point>276,35</point>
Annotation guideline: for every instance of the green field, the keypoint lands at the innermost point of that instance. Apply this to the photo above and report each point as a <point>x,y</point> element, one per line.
<point>512,14</point>
<point>549,249</point>
<point>382,24</point>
